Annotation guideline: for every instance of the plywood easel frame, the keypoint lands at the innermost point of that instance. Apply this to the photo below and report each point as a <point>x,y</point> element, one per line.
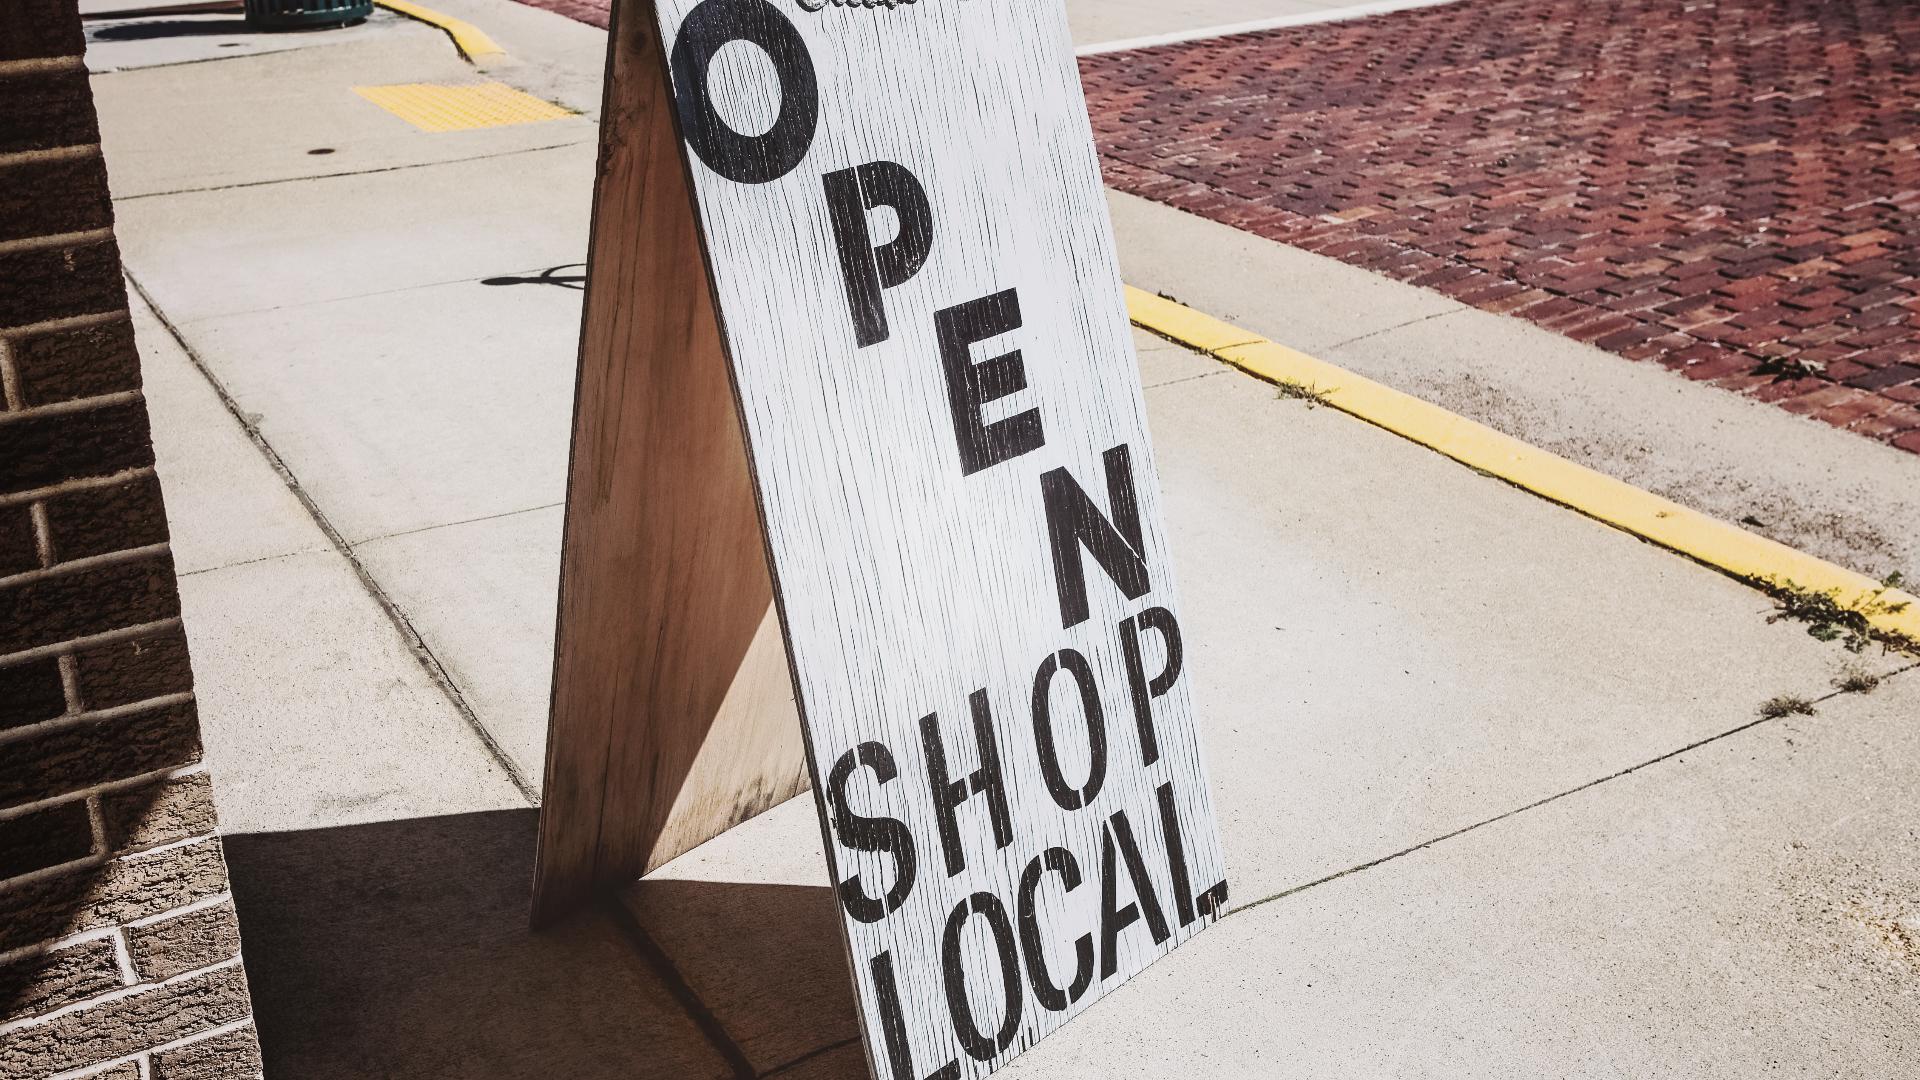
<point>940,520</point>
<point>673,714</point>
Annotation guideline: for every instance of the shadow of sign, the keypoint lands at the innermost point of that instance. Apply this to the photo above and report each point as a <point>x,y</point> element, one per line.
<point>550,276</point>
<point>768,963</point>
<point>401,949</point>
<point>158,29</point>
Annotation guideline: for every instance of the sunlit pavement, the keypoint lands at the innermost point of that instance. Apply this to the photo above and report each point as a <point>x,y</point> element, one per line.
<point>1494,788</point>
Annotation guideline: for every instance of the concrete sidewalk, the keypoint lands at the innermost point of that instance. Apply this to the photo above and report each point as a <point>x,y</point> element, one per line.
<point>1495,793</point>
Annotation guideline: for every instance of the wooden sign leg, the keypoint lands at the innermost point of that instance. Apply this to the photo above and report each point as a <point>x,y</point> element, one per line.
<point>673,716</point>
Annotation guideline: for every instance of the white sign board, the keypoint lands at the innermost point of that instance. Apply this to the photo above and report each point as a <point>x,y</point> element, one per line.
<point>916,287</point>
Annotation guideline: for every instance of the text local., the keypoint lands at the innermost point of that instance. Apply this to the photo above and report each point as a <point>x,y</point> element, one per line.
<point>1131,891</point>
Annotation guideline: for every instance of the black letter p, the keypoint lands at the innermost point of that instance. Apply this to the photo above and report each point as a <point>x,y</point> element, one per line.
<point>868,269</point>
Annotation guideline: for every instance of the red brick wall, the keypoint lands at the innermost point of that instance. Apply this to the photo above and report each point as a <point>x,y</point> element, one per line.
<point>119,949</point>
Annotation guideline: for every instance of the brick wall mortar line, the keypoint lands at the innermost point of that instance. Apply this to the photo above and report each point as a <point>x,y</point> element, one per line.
<point>123,958</point>
<point>201,904</point>
<point>79,719</point>
<point>80,644</point>
<point>162,849</point>
<point>97,822</point>
<point>71,322</point>
<point>42,534</point>
<point>68,487</point>
<point>70,683</point>
<point>101,933</point>
<point>81,566</point>
<point>198,1036</point>
<point>110,787</point>
<point>45,873</point>
<point>76,152</point>
<point>9,380</point>
<point>54,240</point>
<point>28,952</point>
<point>42,65</point>
<point>22,1024</point>
<point>129,979</point>
<point>33,877</point>
<point>77,405</point>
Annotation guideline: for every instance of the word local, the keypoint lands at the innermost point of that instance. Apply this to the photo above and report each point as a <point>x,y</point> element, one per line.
<point>1119,853</point>
<point>1076,526</point>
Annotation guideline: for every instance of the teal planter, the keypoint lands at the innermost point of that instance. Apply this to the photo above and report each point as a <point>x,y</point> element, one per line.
<point>305,14</point>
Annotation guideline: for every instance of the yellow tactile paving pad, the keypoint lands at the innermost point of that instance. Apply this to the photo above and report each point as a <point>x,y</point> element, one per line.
<point>435,107</point>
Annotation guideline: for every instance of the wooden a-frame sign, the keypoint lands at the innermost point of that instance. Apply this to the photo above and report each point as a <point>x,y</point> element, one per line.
<point>862,498</point>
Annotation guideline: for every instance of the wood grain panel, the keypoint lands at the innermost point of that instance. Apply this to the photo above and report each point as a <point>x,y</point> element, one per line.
<point>664,644</point>
<point>921,306</point>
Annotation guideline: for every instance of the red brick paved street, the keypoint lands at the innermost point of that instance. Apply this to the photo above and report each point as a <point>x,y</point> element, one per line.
<point>591,12</point>
<point>1727,188</point>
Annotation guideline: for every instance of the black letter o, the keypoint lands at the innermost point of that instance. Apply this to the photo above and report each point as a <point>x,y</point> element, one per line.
<point>745,159</point>
<point>979,1045</point>
<point>1064,794</point>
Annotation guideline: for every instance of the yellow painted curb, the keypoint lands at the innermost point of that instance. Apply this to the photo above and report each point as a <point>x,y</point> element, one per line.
<point>1705,539</point>
<point>472,42</point>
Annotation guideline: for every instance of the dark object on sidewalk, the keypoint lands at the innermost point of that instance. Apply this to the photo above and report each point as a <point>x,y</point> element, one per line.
<point>550,276</point>
<point>204,7</point>
<point>306,14</point>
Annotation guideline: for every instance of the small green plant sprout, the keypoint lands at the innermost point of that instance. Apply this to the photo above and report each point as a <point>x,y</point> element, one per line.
<point>1855,679</point>
<point>1294,390</point>
<point>1786,705</point>
<point>1828,619</point>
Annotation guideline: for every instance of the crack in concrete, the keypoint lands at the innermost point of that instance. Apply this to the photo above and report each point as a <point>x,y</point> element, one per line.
<point>688,999</point>
<point>809,1056</point>
<point>1187,378</point>
<point>355,172</point>
<point>415,643</point>
<point>452,524</point>
<point>1338,345</point>
<point>1536,804</point>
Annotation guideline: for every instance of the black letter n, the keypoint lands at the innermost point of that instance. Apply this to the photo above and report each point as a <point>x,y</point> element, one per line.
<point>1073,522</point>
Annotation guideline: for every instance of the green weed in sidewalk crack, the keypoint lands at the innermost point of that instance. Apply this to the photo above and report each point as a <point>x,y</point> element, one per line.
<point>1294,390</point>
<point>1856,680</point>
<point>1827,619</point>
<point>1786,705</point>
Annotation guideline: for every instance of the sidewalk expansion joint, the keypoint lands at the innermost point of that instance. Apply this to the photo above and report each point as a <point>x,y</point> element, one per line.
<point>809,1056</point>
<point>1746,557</point>
<point>1371,334</point>
<point>696,1010</point>
<point>456,524</point>
<point>402,625</point>
<point>1757,722</point>
<point>354,172</point>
